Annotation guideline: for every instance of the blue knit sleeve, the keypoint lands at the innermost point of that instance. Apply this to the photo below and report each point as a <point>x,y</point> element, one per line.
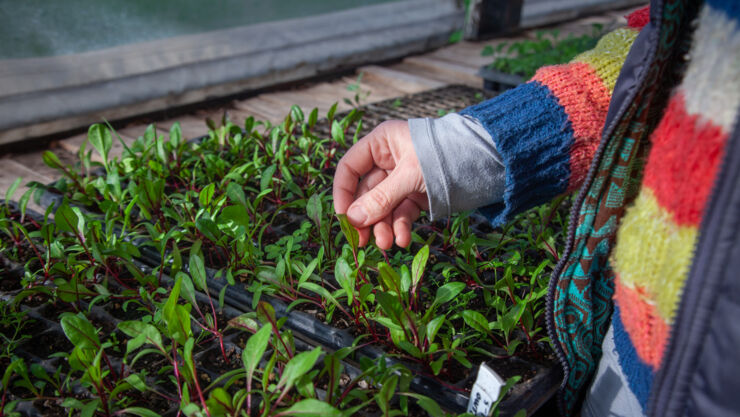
<point>533,135</point>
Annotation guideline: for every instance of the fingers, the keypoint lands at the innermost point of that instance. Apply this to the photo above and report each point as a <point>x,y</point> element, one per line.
<point>355,163</point>
<point>368,181</point>
<point>369,152</point>
<point>380,200</point>
<point>403,216</point>
<point>384,233</point>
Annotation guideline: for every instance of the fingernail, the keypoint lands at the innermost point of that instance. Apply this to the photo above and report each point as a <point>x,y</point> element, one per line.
<point>357,215</point>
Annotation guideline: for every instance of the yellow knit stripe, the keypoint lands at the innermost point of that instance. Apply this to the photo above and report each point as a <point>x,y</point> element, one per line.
<point>609,54</point>
<point>652,252</point>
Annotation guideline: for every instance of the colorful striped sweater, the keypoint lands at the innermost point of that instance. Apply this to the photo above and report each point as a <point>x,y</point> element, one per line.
<point>547,132</point>
<point>547,129</point>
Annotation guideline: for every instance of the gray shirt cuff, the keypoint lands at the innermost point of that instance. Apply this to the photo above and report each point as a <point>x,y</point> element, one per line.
<point>461,167</point>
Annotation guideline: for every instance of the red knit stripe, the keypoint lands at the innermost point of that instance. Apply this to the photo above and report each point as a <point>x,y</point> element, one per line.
<point>684,159</point>
<point>585,98</point>
<point>647,330</point>
<point>639,18</point>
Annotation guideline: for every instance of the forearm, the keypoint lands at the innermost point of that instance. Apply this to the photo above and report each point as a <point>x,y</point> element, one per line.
<point>547,130</point>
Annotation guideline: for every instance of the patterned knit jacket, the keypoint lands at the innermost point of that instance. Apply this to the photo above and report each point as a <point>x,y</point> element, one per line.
<point>653,246</point>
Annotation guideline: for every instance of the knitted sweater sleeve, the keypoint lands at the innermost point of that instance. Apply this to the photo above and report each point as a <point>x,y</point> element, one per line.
<point>547,130</point>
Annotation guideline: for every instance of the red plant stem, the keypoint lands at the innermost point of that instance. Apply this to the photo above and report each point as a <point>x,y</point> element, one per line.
<point>279,336</point>
<point>177,370</point>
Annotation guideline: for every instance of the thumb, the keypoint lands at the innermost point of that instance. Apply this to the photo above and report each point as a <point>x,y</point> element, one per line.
<point>380,201</point>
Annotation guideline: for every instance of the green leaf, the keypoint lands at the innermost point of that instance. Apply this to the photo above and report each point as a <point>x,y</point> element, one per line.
<point>80,331</point>
<point>297,366</point>
<point>139,411</point>
<point>313,118</point>
<point>100,138</point>
<point>219,401</point>
<point>476,320</point>
<point>433,327</point>
<point>385,395</point>
<point>418,265</point>
<point>389,278</point>
<point>296,113</point>
<point>428,404</point>
<point>198,271</point>
<point>337,133</point>
<point>385,321</point>
<point>175,134</point>
<point>140,334</point>
<point>236,214</point>
<point>331,112</point>
<point>350,233</point>
<point>347,277</point>
<point>206,194</point>
<point>176,316</point>
<point>9,193</point>
<point>323,292</point>
<point>66,219</point>
<point>266,178</point>
<point>136,382</point>
<point>236,194</point>
<point>311,407</point>
<point>314,208</point>
<point>448,292</point>
<point>51,160</point>
<point>255,349</point>
<point>437,364</point>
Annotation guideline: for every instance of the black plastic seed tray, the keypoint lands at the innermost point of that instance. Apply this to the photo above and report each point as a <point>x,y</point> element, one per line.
<point>42,319</point>
<point>529,394</point>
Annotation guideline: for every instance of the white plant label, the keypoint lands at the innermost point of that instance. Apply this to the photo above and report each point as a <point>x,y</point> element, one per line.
<point>485,391</point>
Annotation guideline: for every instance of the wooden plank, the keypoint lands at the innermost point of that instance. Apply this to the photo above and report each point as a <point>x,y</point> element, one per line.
<point>191,126</point>
<point>12,170</point>
<point>261,108</point>
<point>469,58</point>
<point>378,91</point>
<point>34,162</point>
<point>128,135</point>
<point>453,72</point>
<point>400,80</point>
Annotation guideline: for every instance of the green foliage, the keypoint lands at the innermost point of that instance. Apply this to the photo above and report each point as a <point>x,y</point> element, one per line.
<point>248,208</point>
<point>548,48</point>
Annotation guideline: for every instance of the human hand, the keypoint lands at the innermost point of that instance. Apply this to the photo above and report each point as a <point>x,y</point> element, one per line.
<point>391,190</point>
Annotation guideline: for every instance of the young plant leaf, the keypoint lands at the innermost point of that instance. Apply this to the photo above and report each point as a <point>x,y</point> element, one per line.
<point>206,195</point>
<point>80,331</point>
<point>314,209</point>
<point>346,277</point>
<point>100,138</point>
<point>350,233</point>
<point>298,366</point>
<point>255,349</point>
<point>448,292</point>
<point>418,265</point>
<point>311,407</point>
<point>476,320</point>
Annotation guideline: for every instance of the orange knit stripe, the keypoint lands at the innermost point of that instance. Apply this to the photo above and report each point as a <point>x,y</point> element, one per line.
<point>585,98</point>
<point>683,162</point>
<point>647,330</point>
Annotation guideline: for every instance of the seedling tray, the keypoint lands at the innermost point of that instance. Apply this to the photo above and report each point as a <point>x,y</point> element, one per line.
<point>541,375</point>
<point>494,80</point>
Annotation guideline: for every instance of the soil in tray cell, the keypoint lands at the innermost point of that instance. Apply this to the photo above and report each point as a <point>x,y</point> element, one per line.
<point>10,279</point>
<point>214,360</point>
<point>151,363</point>
<point>48,343</point>
<point>131,310</point>
<point>150,400</point>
